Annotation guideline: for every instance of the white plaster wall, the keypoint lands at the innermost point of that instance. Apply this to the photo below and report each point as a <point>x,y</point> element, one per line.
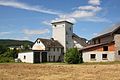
<point>77,45</point>
<point>110,56</point>
<point>59,34</point>
<point>69,35</point>
<point>29,57</point>
<point>117,45</point>
<point>53,53</point>
<point>38,46</point>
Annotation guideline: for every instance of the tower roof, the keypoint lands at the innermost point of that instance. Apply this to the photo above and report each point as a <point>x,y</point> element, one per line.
<point>55,22</point>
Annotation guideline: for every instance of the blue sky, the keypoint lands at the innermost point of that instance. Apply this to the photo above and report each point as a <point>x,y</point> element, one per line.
<point>30,19</point>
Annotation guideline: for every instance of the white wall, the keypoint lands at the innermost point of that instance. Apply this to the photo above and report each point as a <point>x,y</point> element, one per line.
<point>117,45</point>
<point>59,34</point>
<point>38,46</point>
<point>110,56</point>
<point>69,35</point>
<point>77,45</point>
<point>29,57</point>
<point>55,53</point>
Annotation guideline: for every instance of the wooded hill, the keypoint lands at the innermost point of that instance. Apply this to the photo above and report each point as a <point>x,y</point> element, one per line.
<point>10,42</point>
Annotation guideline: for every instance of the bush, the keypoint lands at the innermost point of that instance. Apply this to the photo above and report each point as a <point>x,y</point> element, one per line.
<point>8,56</point>
<point>72,56</point>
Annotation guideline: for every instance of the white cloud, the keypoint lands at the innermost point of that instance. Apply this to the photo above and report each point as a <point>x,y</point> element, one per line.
<point>94,2</point>
<point>15,4</point>
<point>97,19</point>
<point>95,34</point>
<point>93,8</point>
<point>48,23</point>
<point>35,32</point>
<point>81,14</point>
<point>64,19</point>
<point>23,38</point>
<point>75,15</point>
<point>5,33</point>
<point>84,13</point>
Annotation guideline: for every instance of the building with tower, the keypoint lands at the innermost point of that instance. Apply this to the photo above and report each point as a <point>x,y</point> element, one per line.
<point>62,32</point>
<point>104,47</point>
<point>53,50</point>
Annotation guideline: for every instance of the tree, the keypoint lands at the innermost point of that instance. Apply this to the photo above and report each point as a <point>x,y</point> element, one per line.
<point>3,49</point>
<point>14,53</point>
<point>72,56</point>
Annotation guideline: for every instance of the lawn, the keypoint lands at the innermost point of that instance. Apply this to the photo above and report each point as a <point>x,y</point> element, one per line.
<point>59,71</point>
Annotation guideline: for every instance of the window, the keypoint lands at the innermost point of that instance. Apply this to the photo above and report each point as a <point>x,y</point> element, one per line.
<point>66,42</point>
<point>66,33</point>
<point>55,25</point>
<point>54,58</point>
<point>38,41</point>
<point>70,28</point>
<point>105,48</point>
<point>104,56</point>
<point>48,49</point>
<point>49,58</point>
<point>118,52</point>
<point>94,41</point>
<point>54,49</point>
<point>24,57</point>
<point>98,40</point>
<point>57,49</point>
<point>92,56</point>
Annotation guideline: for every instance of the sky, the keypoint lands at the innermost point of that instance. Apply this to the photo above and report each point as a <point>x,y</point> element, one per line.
<point>31,19</point>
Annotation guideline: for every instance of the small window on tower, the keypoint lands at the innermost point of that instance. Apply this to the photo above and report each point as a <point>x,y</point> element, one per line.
<point>66,42</point>
<point>70,28</point>
<point>66,33</point>
<point>55,25</point>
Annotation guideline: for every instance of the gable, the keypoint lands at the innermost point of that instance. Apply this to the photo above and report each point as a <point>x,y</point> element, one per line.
<point>78,45</point>
<point>79,40</point>
<point>114,29</point>
<point>117,31</point>
<point>38,45</point>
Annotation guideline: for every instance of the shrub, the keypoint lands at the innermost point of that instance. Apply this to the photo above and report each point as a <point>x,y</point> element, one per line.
<point>72,56</point>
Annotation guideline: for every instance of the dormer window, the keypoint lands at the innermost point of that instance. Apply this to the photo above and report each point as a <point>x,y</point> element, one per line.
<point>38,41</point>
<point>98,40</point>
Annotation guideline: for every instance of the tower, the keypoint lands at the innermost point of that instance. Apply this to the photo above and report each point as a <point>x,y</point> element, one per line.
<point>62,32</point>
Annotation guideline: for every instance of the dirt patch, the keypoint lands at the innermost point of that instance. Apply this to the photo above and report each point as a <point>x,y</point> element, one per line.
<point>59,72</point>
